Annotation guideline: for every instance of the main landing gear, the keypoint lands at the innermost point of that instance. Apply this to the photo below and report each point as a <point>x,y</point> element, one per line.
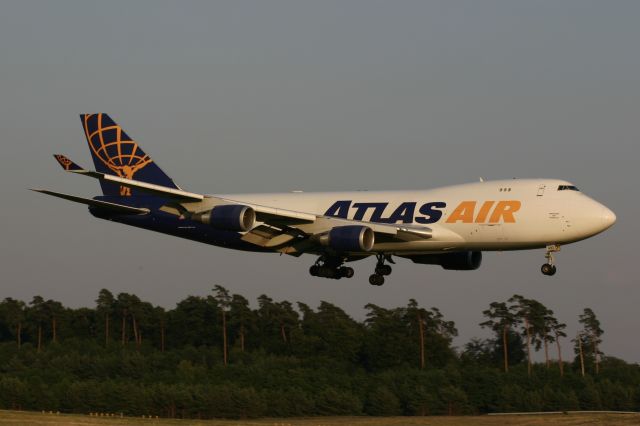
<point>330,267</point>
<point>381,270</point>
<point>333,267</point>
<point>549,268</point>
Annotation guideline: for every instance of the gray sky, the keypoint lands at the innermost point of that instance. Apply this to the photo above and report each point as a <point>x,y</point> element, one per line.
<point>275,96</point>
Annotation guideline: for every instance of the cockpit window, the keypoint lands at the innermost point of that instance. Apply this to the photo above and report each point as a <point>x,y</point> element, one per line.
<point>567,188</point>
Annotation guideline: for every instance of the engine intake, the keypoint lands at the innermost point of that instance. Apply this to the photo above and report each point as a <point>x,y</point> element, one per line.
<point>349,238</point>
<point>229,217</point>
<point>460,261</point>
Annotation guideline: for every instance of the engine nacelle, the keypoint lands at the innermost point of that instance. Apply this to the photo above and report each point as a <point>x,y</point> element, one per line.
<point>349,238</point>
<point>229,217</point>
<point>460,261</point>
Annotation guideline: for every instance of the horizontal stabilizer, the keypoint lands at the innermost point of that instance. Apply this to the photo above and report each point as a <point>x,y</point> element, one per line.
<point>118,208</point>
<point>149,188</point>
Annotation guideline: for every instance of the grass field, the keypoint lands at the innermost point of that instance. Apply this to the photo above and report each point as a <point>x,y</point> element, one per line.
<point>30,418</point>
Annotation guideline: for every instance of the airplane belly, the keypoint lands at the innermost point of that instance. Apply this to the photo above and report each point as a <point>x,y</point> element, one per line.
<point>415,246</point>
<point>170,225</point>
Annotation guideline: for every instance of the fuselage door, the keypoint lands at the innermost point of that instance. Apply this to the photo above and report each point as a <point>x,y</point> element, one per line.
<point>541,189</point>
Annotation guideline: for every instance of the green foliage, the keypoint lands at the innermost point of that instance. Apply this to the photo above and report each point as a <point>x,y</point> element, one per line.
<point>126,355</point>
<point>382,402</point>
<point>336,402</point>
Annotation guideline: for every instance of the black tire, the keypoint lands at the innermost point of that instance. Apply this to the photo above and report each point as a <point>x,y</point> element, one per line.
<point>376,279</point>
<point>347,272</point>
<point>314,270</point>
<point>548,269</point>
<point>327,272</point>
<point>384,270</point>
<point>343,271</point>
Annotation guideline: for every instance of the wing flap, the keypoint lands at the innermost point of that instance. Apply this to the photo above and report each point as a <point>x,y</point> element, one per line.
<point>404,232</point>
<point>267,236</point>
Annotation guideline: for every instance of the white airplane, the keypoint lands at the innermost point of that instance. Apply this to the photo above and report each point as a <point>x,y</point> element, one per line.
<point>449,226</point>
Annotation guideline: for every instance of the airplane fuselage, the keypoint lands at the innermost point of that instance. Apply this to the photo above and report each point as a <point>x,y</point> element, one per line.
<point>448,226</point>
<point>494,215</point>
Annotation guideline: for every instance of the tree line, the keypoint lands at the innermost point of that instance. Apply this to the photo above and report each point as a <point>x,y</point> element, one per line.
<point>216,356</point>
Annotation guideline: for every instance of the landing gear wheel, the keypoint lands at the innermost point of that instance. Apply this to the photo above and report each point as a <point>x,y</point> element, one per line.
<point>376,279</point>
<point>346,272</point>
<point>331,267</point>
<point>328,272</point>
<point>383,270</point>
<point>548,269</point>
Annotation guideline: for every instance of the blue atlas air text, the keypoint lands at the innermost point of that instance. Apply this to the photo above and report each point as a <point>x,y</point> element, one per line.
<point>408,212</point>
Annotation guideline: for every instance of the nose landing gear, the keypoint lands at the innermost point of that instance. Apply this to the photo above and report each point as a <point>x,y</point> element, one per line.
<point>549,268</point>
<point>381,270</point>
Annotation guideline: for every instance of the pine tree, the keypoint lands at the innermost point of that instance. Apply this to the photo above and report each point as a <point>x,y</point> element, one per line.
<point>557,329</point>
<point>224,302</point>
<point>12,313</point>
<point>105,307</point>
<point>501,320</point>
<point>54,310</point>
<point>419,317</point>
<point>38,315</point>
<point>524,309</point>
<point>241,319</point>
<point>590,336</point>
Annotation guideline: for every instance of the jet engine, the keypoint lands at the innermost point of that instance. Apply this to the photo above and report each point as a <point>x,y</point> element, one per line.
<point>229,217</point>
<point>349,238</point>
<point>460,261</point>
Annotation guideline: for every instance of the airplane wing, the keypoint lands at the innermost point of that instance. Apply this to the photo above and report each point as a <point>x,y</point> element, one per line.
<point>316,224</point>
<point>293,232</point>
<point>119,208</point>
<point>278,227</point>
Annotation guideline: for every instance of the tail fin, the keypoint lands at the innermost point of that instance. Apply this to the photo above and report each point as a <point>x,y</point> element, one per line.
<point>115,153</point>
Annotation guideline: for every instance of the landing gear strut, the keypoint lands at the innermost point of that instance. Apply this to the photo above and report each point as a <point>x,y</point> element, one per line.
<point>549,268</point>
<point>381,270</point>
<point>330,267</point>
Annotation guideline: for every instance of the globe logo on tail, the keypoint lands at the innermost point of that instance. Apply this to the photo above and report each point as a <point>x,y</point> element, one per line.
<point>114,148</point>
<point>64,161</point>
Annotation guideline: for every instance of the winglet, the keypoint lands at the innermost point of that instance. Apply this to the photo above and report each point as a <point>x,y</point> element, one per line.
<point>67,164</point>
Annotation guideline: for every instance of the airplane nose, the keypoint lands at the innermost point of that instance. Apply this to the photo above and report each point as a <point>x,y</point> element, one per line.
<point>608,217</point>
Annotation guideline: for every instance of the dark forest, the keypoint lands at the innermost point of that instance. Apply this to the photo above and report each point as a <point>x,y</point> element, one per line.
<point>215,356</point>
